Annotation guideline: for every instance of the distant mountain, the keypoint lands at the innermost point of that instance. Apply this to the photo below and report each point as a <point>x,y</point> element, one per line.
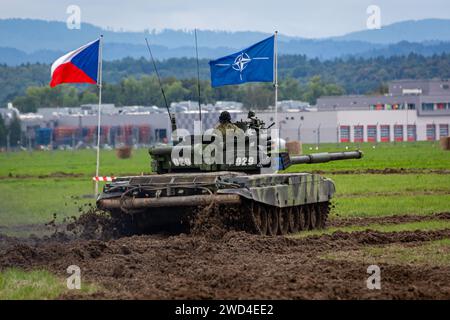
<point>112,51</point>
<point>31,35</point>
<point>30,41</point>
<point>405,48</point>
<point>13,57</point>
<point>411,31</point>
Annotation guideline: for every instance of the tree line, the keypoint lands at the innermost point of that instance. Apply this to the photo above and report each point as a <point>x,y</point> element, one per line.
<point>146,91</point>
<point>296,72</point>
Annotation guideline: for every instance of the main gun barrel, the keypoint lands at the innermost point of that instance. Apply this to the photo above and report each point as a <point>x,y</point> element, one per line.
<point>325,157</point>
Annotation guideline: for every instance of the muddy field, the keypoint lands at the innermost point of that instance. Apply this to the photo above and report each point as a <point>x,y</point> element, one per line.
<point>234,265</point>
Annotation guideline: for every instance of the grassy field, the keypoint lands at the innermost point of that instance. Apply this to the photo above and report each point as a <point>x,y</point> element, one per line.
<point>81,162</point>
<point>33,189</point>
<point>382,195</point>
<point>432,253</point>
<point>33,201</point>
<point>16,284</point>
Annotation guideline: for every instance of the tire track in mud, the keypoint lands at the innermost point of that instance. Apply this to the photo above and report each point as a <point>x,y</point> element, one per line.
<point>53,175</point>
<point>235,266</point>
<point>394,219</point>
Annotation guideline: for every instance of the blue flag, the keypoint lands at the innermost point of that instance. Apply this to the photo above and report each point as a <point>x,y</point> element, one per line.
<point>254,64</point>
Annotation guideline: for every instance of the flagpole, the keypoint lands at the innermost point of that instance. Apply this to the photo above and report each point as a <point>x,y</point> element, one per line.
<point>276,84</point>
<point>198,84</point>
<point>100,65</point>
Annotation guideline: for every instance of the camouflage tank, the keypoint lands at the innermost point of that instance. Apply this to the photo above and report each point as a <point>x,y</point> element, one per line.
<point>243,189</point>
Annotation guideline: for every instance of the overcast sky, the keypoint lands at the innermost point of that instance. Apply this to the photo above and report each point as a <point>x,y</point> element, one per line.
<point>305,18</point>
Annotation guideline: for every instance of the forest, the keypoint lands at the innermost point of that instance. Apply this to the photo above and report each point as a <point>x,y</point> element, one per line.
<point>132,81</point>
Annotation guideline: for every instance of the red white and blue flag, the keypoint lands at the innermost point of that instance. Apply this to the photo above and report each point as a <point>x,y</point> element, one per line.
<point>78,66</point>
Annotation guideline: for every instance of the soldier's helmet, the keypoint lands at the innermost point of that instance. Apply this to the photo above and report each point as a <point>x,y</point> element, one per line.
<point>225,117</point>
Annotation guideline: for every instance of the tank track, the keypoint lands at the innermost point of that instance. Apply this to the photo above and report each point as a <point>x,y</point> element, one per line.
<point>252,217</point>
<point>272,221</point>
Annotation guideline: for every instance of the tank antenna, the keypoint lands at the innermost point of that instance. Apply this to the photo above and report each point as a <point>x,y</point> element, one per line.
<point>159,80</point>
<point>198,83</point>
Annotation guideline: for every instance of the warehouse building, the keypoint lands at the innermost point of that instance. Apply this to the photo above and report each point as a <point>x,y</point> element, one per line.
<point>412,110</point>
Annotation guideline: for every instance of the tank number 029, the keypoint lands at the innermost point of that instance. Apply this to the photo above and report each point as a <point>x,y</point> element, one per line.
<point>244,161</point>
<point>181,161</point>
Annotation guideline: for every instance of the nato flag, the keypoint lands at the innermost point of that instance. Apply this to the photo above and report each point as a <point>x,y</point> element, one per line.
<point>254,64</point>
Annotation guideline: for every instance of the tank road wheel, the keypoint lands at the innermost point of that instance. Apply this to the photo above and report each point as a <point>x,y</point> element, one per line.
<point>312,217</point>
<point>307,214</point>
<point>301,218</point>
<point>272,221</point>
<point>322,211</point>
<point>295,225</point>
<point>260,219</point>
<point>283,220</point>
<point>316,217</point>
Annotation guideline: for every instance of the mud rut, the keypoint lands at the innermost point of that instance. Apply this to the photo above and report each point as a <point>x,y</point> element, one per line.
<point>215,263</point>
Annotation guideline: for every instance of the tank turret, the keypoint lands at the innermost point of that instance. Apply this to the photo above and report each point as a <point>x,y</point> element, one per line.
<point>249,151</point>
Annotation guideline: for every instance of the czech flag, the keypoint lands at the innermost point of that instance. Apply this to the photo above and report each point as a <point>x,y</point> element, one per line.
<point>78,66</point>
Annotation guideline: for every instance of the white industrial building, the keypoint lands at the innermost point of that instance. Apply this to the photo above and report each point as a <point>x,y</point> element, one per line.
<point>411,110</point>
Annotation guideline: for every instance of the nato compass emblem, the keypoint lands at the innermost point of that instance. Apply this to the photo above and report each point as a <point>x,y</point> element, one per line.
<point>241,62</point>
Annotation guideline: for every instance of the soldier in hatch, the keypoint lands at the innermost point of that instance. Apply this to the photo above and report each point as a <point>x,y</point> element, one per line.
<point>225,124</point>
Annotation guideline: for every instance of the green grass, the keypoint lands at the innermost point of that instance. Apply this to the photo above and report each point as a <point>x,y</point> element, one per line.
<point>411,226</point>
<point>382,195</point>
<point>17,284</point>
<point>370,184</point>
<point>433,253</point>
<point>73,162</point>
<point>32,201</point>
<point>390,205</point>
